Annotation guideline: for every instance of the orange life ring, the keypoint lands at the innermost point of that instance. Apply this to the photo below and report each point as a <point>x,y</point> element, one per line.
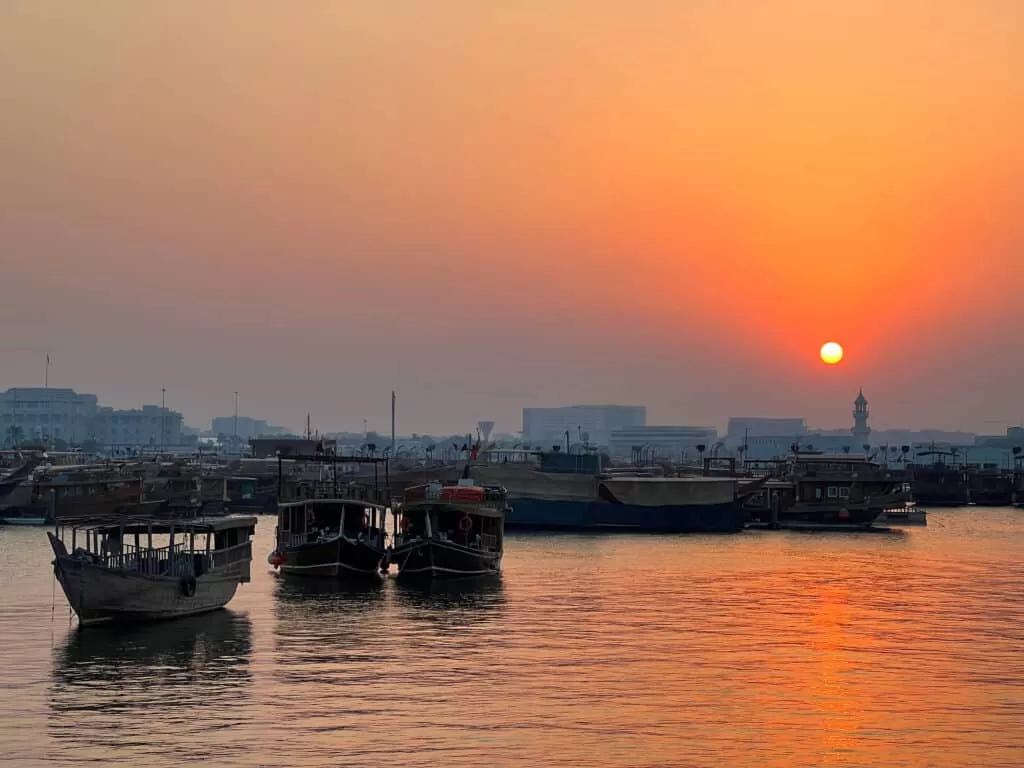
<point>465,524</point>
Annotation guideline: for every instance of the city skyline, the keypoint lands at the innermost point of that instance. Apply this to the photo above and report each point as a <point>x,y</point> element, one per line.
<point>488,206</point>
<point>188,422</point>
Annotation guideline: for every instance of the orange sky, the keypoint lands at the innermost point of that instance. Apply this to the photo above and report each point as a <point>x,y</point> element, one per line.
<point>664,203</point>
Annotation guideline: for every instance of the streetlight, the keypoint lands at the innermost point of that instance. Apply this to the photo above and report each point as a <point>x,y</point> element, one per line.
<point>163,416</point>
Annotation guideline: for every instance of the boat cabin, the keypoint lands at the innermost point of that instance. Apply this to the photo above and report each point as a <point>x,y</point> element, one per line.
<point>471,515</point>
<point>154,547</point>
<point>314,520</point>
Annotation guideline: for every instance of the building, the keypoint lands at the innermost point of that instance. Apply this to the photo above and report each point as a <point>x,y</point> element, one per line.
<point>743,428</point>
<point>44,413</point>
<point>248,427</point>
<point>660,442</point>
<point>547,427</point>
<point>147,427</point>
<point>50,414</point>
<point>861,431</point>
<point>271,447</point>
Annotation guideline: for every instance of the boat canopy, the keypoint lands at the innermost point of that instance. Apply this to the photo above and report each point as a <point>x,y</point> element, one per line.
<point>476,509</point>
<point>356,503</point>
<point>128,524</point>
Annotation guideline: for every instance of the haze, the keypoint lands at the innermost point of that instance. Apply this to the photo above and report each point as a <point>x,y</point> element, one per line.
<point>495,205</point>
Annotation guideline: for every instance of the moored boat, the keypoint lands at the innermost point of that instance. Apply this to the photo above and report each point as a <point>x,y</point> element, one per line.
<point>937,482</point>
<point>332,538</point>
<point>827,491</point>
<point>450,531</point>
<point>191,567</point>
<point>50,493</point>
<point>560,491</point>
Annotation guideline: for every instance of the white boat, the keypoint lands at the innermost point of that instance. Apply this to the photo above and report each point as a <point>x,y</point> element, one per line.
<point>908,514</point>
<point>193,567</point>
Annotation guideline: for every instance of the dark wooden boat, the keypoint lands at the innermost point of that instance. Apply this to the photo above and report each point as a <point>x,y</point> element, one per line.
<point>330,538</point>
<point>450,531</point>
<point>990,486</point>
<point>170,568</point>
<point>827,491</point>
<point>73,492</point>
<point>938,481</point>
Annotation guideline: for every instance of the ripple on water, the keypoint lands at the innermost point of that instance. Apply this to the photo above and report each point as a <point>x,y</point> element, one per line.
<point>757,649</point>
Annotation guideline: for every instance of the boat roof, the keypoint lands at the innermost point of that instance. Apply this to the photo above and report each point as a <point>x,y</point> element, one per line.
<point>329,502</point>
<point>129,524</point>
<point>478,508</point>
<point>648,479</point>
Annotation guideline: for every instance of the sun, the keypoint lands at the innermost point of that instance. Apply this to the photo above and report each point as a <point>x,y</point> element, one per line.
<point>831,353</point>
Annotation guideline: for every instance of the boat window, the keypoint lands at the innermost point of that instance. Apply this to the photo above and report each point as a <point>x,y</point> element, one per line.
<point>844,493</point>
<point>833,492</point>
<point>818,494</point>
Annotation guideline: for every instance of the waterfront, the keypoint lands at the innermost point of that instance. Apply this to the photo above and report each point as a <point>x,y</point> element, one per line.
<point>777,649</point>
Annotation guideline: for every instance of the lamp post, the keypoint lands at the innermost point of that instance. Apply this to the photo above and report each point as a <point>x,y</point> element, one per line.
<point>163,416</point>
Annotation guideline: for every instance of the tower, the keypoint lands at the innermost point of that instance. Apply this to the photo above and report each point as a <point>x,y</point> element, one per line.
<point>861,431</point>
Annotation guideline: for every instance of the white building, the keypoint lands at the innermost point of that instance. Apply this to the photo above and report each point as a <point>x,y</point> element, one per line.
<point>661,442</point>
<point>48,414</point>
<point>546,427</point>
<point>35,413</point>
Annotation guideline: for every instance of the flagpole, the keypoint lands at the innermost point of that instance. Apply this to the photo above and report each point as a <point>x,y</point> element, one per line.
<point>46,373</point>
<point>393,422</point>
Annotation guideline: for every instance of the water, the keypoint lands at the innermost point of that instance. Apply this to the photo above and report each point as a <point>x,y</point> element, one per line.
<point>767,649</point>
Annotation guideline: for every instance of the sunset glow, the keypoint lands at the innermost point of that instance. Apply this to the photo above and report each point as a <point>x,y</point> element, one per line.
<point>611,183</point>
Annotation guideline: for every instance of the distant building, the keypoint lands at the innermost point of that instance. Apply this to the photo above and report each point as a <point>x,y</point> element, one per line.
<point>593,423</point>
<point>662,442</point>
<point>248,427</point>
<point>149,426</point>
<point>746,427</point>
<point>861,431</point>
<point>45,413</point>
<point>267,448</point>
<point>30,413</point>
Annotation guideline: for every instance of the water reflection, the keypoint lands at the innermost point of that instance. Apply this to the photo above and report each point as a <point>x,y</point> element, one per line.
<point>457,602</point>
<point>111,682</point>
<point>325,622</point>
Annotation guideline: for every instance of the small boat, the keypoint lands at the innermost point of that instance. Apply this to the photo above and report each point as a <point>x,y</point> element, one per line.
<point>332,538</point>
<point>908,514</point>
<point>449,531</point>
<point>171,568</point>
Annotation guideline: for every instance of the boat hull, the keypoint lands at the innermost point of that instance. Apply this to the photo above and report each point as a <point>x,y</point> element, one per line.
<point>533,513</point>
<point>338,558</point>
<point>27,520</point>
<point>100,595</point>
<point>432,559</point>
<point>899,519</point>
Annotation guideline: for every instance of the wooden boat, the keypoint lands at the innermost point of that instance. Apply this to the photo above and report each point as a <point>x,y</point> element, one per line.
<point>73,492</point>
<point>827,491</point>
<point>172,568</point>
<point>332,538</point>
<point>448,531</point>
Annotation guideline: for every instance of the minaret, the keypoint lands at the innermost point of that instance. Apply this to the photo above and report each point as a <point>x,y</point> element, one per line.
<point>861,431</point>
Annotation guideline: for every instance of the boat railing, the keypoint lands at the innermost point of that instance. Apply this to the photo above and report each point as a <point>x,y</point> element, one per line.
<point>154,561</point>
<point>238,553</point>
<point>489,541</point>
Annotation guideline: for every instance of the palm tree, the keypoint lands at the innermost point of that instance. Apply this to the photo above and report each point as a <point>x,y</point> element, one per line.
<point>14,435</point>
